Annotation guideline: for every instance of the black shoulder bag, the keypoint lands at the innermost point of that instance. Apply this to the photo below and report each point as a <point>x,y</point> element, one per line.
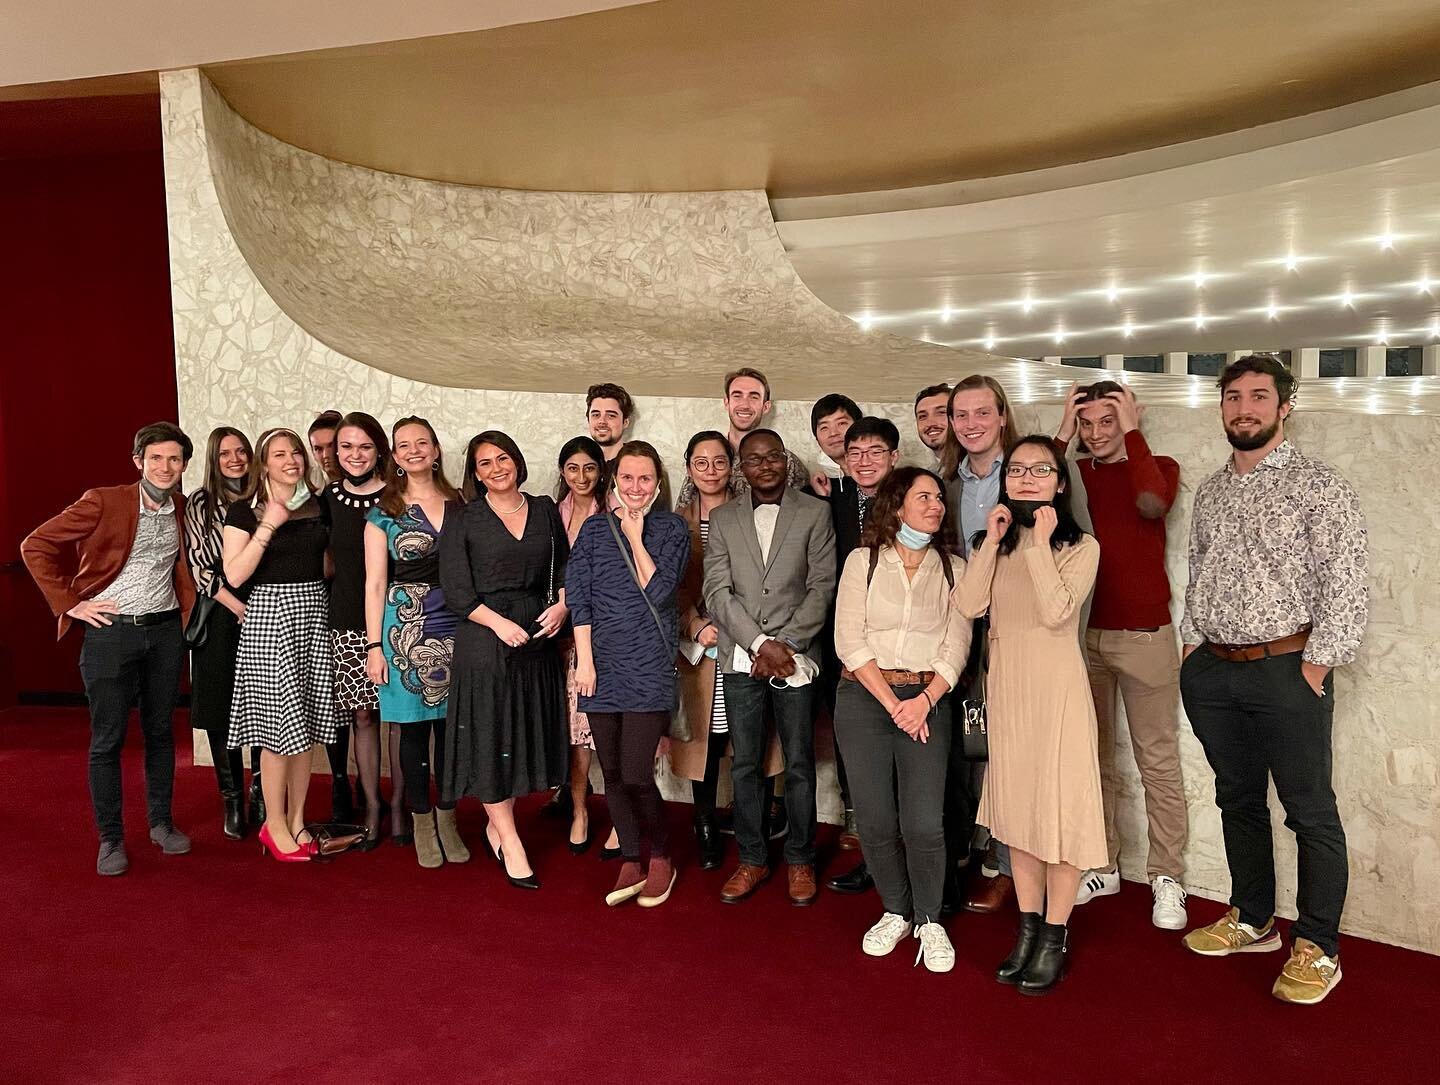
<point>971,721</point>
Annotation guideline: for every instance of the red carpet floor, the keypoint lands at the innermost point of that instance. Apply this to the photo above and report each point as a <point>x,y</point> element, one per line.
<point>221,966</point>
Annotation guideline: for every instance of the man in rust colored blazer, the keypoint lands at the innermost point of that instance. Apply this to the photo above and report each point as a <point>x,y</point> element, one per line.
<point>115,560</point>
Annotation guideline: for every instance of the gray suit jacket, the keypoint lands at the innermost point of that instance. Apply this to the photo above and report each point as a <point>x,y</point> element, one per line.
<point>789,595</point>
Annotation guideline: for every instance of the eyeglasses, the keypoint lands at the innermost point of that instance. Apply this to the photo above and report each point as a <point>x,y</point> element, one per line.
<point>774,459</point>
<point>719,463</point>
<point>1038,470</point>
<point>867,455</point>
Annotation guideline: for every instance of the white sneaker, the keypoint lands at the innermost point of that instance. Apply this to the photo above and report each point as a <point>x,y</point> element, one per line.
<point>885,935</point>
<point>1168,912</point>
<point>935,948</point>
<point>1096,883</point>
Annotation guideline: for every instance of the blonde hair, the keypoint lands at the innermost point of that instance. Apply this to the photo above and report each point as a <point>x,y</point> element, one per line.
<point>262,449</point>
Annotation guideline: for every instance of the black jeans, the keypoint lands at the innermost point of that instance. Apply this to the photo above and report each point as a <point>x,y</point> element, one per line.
<point>415,762</point>
<point>625,743</point>
<point>1260,721</point>
<point>745,701</point>
<point>899,789</point>
<point>121,665</point>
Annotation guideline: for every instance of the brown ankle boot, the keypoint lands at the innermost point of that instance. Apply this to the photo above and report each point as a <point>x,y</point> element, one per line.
<point>658,882</point>
<point>630,884</point>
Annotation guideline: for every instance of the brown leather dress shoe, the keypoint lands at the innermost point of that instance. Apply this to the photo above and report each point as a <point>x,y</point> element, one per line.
<point>743,882</point>
<point>989,894</point>
<point>802,884</point>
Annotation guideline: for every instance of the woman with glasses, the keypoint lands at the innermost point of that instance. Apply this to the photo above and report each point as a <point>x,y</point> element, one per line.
<point>903,644</point>
<point>1033,570</point>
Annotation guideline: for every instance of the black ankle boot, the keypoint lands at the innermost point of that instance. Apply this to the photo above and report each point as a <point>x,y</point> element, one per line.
<point>712,845</point>
<point>1047,963</point>
<point>234,827</point>
<point>1011,968</point>
<point>342,800</point>
<point>257,800</point>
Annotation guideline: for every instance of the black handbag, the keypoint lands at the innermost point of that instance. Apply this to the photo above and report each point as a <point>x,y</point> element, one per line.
<point>971,722</point>
<point>197,629</point>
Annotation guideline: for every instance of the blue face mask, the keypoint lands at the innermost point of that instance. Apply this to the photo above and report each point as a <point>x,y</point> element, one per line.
<point>911,539</point>
<point>713,652</point>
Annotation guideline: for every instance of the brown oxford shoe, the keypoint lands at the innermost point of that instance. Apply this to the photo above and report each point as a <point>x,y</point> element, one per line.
<point>743,882</point>
<point>989,894</point>
<point>802,884</point>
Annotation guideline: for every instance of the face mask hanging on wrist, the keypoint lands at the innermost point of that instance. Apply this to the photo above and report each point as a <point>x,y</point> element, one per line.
<point>911,539</point>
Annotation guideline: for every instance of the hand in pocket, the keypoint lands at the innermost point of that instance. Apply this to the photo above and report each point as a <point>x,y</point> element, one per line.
<point>1314,675</point>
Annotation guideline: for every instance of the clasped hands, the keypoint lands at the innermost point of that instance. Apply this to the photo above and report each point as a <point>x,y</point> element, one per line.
<point>912,716</point>
<point>775,659</point>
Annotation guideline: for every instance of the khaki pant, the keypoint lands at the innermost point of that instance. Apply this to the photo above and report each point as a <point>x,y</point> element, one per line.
<point>1145,668</point>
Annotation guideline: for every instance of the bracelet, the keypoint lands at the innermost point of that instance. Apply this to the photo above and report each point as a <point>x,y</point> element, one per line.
<point>373,644</point>
<point>926,694</point>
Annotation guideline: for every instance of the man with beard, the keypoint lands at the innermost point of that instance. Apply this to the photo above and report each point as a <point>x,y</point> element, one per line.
<point>1130,642</point>
<point>769,580</point>
<point>608,410</point>
<point>1277,599</point>
<point>932,418</point>
<point>115,560</point>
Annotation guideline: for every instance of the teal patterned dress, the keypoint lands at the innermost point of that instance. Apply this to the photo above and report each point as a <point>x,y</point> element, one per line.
<point>418,636</point>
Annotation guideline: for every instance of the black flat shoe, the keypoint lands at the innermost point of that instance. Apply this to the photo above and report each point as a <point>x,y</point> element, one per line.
<point>857,881</point>
<point>606,854</point>
<point>580,848</point>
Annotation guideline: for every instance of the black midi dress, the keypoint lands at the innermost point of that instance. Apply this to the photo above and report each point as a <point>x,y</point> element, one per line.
<point>508,728</point>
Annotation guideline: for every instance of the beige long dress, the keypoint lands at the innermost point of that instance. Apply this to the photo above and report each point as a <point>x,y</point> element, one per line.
<point>1042,785</point>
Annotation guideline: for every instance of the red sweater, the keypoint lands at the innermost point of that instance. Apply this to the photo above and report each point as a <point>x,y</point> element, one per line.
<point>1132,590</point>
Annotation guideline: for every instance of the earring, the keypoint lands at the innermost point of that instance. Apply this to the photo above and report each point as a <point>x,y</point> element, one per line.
<point>400,471</point>
<point>435,466</point>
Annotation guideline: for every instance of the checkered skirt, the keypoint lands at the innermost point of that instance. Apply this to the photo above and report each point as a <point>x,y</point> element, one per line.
<point>284,685</point>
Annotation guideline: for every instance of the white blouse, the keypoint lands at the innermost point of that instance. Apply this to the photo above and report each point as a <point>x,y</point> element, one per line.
<point>901,624</point>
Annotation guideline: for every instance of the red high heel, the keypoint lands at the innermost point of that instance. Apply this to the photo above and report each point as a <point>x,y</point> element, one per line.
<point>267,843</point>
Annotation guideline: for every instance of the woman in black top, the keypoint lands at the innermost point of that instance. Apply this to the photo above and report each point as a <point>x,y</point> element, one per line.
<point>284,696</point>
<point>362,453</point>
<point>229,477</point>
<point>502,568</point>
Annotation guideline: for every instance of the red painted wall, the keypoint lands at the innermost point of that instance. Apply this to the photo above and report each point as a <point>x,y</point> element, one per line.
<point>86,359</point>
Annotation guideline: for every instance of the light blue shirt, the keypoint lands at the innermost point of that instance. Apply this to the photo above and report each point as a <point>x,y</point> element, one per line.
<point>978,495</point>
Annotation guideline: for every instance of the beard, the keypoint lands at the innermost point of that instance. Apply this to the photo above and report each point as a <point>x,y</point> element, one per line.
<point>1259,439</point>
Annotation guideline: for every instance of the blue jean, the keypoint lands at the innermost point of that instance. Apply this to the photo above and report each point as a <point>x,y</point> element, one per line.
<point>746,699</point>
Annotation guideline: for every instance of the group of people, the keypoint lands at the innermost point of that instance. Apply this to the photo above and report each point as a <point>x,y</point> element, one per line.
<point>504,635</point>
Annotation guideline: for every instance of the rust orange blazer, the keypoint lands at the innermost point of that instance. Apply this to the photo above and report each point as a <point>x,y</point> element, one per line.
<point>76,553</point>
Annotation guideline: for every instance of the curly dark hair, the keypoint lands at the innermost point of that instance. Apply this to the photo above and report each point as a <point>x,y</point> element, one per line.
<point>883,523</point>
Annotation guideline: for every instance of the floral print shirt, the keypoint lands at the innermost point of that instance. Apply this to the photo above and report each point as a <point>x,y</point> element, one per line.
<point>1275,549</point>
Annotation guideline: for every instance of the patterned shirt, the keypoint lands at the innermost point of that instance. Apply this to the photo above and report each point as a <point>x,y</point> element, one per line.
<point>1277,548</point>
<point>146,584</point>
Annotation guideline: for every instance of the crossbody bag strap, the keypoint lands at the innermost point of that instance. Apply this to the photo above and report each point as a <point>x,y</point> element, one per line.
<point>635,575</point>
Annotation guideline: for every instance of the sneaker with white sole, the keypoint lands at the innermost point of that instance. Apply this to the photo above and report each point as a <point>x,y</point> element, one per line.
<point>885,935</point>
<point>1168,911</point>
<point>1228,935</point>
<point>1096,883</point>
<point>1308,976</point>
<point>935,948</point>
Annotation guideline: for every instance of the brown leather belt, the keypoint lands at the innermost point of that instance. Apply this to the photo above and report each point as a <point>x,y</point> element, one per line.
<point>895,678</point>
<point>1248,653</point>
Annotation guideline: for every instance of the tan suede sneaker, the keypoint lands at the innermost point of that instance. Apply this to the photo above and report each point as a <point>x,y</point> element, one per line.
<point>1228,935</point>
<point>1308,976</point>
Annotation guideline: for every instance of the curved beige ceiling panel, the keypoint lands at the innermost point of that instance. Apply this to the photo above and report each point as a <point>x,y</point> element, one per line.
<point>806,97</point>
<point>491,288</point>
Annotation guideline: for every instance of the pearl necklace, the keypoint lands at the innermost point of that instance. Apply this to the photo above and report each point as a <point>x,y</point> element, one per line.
<point>506,512</point>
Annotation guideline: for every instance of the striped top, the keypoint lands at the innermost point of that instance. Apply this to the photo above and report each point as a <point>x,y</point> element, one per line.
<point>719,722</point>
<point>634,660</point>
<point>204,549</point>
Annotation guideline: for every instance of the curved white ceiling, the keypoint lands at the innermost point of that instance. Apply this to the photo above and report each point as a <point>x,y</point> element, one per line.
<point>1321,231</point>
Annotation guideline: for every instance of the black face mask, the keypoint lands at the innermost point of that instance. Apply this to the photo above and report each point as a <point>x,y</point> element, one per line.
<point>1024,511</point>
<point>358,480</point>
<point>155,493</point>
<point>233,485</point>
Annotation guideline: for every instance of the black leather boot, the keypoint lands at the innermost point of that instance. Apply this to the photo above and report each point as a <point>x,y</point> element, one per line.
<point>712,844</point>
<point>257,800</point>
<point>342,801</point>
<point>1013,966</point>
<point>1047,963</point>
<point>230,777</point>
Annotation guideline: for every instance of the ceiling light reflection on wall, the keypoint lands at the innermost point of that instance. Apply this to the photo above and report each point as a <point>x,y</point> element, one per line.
<point>866,322</point>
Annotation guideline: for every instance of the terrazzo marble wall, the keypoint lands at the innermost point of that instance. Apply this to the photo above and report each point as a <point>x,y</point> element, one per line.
<point>242,361</point>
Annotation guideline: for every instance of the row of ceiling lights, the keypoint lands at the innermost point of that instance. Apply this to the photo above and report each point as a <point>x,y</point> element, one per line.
<point>1292,261</point>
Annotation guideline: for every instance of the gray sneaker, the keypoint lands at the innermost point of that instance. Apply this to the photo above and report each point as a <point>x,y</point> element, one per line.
<point>113,860</point>
<point>169,839</point>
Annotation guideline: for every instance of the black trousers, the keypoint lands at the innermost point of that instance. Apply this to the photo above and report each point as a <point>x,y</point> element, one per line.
<point>415,762</point>
<point>899,788</point>
<point>1260,721</point>
<point>746,700</point>
<point>123,665</point>
<point>625,743</point>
